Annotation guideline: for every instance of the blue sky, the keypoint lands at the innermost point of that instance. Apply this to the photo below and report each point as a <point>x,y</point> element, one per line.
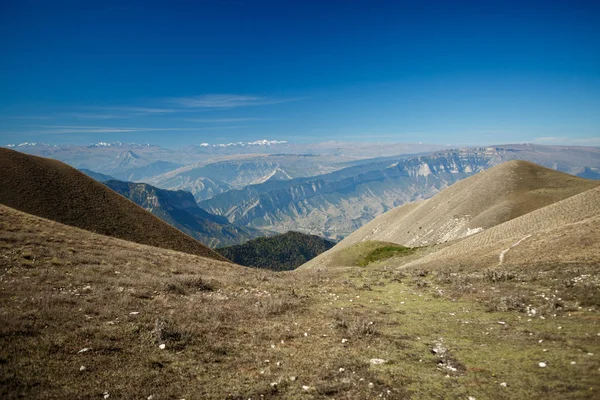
<point>176,73</point>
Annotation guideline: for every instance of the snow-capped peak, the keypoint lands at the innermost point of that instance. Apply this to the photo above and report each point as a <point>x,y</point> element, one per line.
<point>263,142</point>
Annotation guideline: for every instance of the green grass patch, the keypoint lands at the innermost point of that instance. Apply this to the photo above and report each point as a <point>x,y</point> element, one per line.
<point>385,252</point>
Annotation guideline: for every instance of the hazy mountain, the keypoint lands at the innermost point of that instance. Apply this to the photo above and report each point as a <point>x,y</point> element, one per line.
<point>468,207</point>
<point>336,204</point>
<point>98,176</point>
<point>590,173</point>
<point>179,209</point>
<point>132,161</point>
<point>205,180</point>
<point>147,171</point>
<point>282,252</point>
<point>56,191</point>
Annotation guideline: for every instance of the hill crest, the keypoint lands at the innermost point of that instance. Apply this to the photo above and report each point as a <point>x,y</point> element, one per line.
<point>53,190</point>
<point>470,206</point>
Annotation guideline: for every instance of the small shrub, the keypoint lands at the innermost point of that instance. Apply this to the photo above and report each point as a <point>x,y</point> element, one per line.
<point>506,303</point>
<point>383,253</point>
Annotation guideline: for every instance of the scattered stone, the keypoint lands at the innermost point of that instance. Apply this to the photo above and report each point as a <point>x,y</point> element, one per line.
<point>573,363</point>
<point>305,333</point>
<point>273,384</point>
<point>162,346</point>
<point>134,313</point>
<point>106,395</point>
<point>377,361</point>
<point>82,368</point>
<point>371,384</point>
<point>84,350</point>
<point>293,378</point>
<point>151,397</point>
<point>472,398</point>
<point>590,354</point>
<point>341,369</point>
<point>344,340</point>
<point>502,322</point>
<point>305,387</point>
<point>542,365</point>
<point>503,384</point>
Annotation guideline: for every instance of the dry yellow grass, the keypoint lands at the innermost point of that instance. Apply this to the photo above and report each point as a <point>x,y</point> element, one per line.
<point>85,316</point>
<point>54,190</point>
<point>475,204</point>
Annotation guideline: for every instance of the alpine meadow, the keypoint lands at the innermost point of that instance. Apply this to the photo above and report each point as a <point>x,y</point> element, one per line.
<point>259,199</point>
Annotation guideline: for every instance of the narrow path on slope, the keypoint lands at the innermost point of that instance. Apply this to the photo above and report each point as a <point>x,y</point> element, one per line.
<point>503,252</point>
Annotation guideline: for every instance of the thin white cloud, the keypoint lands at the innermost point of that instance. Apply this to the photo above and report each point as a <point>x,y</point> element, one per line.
<point>139,110</point>
<point>564,140</point>
<point>66,129</point>
<point>217,120</point>
<point>226,101</point>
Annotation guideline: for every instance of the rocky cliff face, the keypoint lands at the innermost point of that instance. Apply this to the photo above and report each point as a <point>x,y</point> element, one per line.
<point>336,204</point>
<point>179,209</point>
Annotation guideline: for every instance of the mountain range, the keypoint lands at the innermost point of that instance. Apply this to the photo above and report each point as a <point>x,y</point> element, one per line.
<point>335,204</point>
<point>486,289</point>
<point>179,209</point>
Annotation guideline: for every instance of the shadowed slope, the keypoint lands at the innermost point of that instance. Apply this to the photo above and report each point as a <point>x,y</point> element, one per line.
<point>279,253</point>
<point>470,206</point>
<point>53,190</point>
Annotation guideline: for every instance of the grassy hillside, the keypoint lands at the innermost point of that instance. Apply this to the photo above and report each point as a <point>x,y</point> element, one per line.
<point>53,190</point>
<point>89,316</point>
<point>278,253</point>
<point>468,207</point>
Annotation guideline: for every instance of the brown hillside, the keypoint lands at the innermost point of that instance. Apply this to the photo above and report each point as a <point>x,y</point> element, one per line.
<point>472,205</point>
<point>56,191</point>
<point>88,316</point>
<point>567,231</point>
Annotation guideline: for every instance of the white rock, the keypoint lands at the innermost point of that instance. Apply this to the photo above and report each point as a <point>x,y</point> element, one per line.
<point>341,369</point>
<point>150,397</point>
<point>542,365</point>
<point>344,340</point>
<point>134,313</point>
<point>82,368</point>
<point>503,384</point>
<point>377,361</point>
<point>162,346</point>
<point>106,395</point>
<point>84,350</point>
<point>573,363</point>
<point>305,387</point>
<point>472,398</point>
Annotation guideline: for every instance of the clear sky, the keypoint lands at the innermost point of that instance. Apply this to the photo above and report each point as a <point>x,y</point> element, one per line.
<point>175,73</point>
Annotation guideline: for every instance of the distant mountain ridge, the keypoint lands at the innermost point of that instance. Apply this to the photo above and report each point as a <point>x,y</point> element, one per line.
<point>336,204</point>
<point>179,209</point>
